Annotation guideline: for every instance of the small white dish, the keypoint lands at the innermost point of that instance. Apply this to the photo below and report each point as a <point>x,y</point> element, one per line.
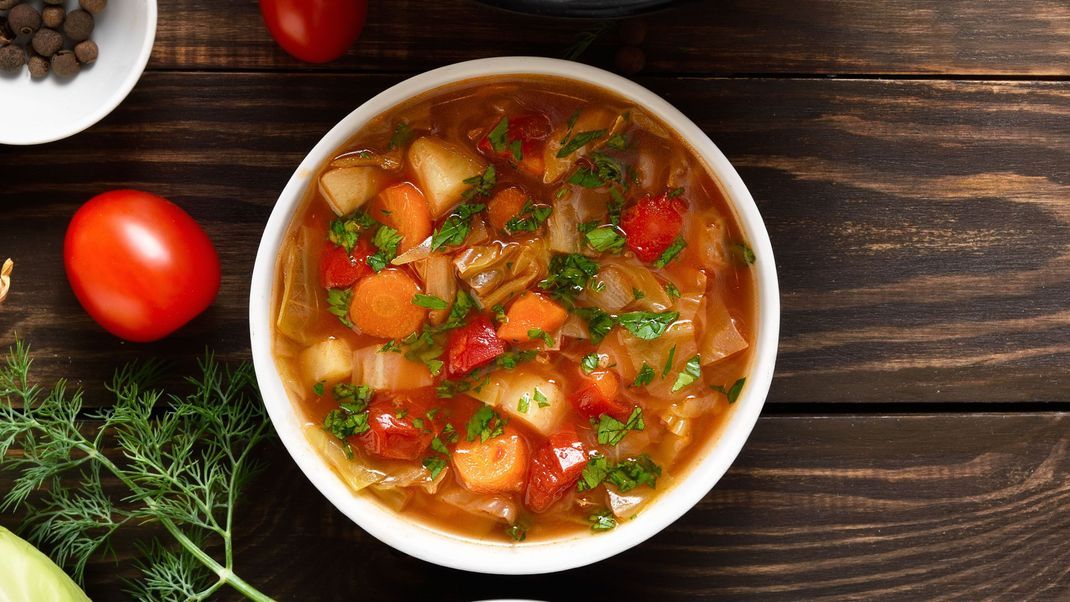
<point>456,551</point>
<point>52,108</point>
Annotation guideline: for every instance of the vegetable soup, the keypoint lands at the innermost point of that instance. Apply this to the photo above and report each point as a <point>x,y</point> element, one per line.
<point>514,308</point>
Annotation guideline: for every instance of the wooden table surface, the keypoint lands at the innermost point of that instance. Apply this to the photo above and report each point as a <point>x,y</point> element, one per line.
<point>912,162</point>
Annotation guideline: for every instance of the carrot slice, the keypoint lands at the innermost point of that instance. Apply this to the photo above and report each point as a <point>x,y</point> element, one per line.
<point>496,465</point>
<point>382,305</point>
<point>531,311</point>
<point>504,206</point>
<point>403,208</point>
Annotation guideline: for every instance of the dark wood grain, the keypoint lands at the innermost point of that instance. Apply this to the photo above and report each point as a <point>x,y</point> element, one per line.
<point>708,37</point>
<point>859,507</point>
<point>921,229</point>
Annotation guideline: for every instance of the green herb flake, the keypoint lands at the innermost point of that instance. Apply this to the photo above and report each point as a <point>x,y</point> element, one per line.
<point>594,473</point>
<point>390,346</point>
<point>569,275</point>
<point>732,393</point>
<point>317,389</point>
<point>401,136</point>
<point>617,142</point>
<point>611,431</point>
<point>386,240</point>
<point>670,253</point>
<point>429,301</point>
<point>672,291</point>
<point>435,465</point>
<point>523,403</point>
<point>578,141</point>
<point>669,361</point>
<point>589,363</point>
<point>605,239</point>
<point>743,253</point>
<point>485,424</point>
<point>338,304</point>
<point>516,532</point>
<point>599,323</point>
<point>540,398</point>
<point>675,192</point>
<point>602,520</point>
<point>481,185</point>
<point>634,472</point>
<point>499,313</point>
<point>497,136</point>
<point>585,177</point>
<point>529,219</point>
<point>637,294</point>
<point>647,325</point>
<point>692,372</point>
<point>345,231</point>
<point>644,377</point>
<point>538,334</point>
<point>455,229</point>
<point>439,446</point>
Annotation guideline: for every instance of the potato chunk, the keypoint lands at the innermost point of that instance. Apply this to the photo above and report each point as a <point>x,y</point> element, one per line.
<point>328,360</point>
<point>441,169</point>
<point>347,188</point>
<point>527,396</point>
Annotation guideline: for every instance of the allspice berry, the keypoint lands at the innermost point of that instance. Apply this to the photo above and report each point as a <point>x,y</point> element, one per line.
<point>12,58</point>
<point>78,25</point>
<point>93,6</point>
<point>86,52</point>
<point>52,16</point>
<point>24,19</point>
<point>8,4</point>
<point>38,66</point>
<point>47,42</point>
<point>65,64</point>
<point>6,35</point>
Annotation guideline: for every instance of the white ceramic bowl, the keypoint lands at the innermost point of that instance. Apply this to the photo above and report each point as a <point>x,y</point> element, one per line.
<point>38,111</point>
<point>455,551</point>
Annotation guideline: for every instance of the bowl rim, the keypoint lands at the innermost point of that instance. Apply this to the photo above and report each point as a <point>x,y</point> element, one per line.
<point>484,556</point>
<point>118,95</point>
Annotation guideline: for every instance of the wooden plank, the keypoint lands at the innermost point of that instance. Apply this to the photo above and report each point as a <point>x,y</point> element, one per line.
<point>999,37</point>
<point>848,507</point>
<point>922,229</point>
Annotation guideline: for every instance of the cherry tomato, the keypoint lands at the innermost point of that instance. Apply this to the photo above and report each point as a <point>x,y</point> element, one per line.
<point>316,31</point>
<point>139,265</point>
<point>555,467</point>
<point>472,345</point>
<point>652,224</point>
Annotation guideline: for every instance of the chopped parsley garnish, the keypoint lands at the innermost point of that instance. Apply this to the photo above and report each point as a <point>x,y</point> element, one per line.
<point>644,377</point>
<point>401,136</point>
<point>435,465</point>
<point>611,431</point>
<point>351,417</point>
<point>510,359</point>
<point>577,141</point>
<point>462,304</point>
<point>732,393</point>
<point>743,253</point>
<point>569,275</point>
<point>602,520</point>
<point>390,346</point>
<point>602,171</point>
<point>616,204</point>
<point>429,301</point>
<point>355,397</point>
<point>692,372</point>
<point>455,229</point>
<point>671,253</point>
<point>561,193</point>
<point>496,137</point>
<point>589,363</point>
<point>317,389</point>
<point>585,177</point>
<point>529,219</point>
<point>668,361</point>
<point>637,294</point>
<point>439,446</point>
<point>675,192</point>
<point>672,291</point>
<point>523,404</point>
<point>517,532</point>
<point>386,240</point>
<point>422,348</point>
<point>499,313</point>
<point>617,142</point>
<point>599,323</point>
<point>625,475</point>
<point>605,238</point>
<point>540,398</point>
<point>538,334</point>
<point>485,424</point>
<point>419,423</point>
<point>647,325</point>
<point>481,185</point>
<point>338,304</point>
<point>345,231</point>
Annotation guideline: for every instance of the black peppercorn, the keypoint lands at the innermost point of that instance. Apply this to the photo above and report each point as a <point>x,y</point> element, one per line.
<point>86,52</point>
<point>93,6</point>
<point>12,58</point>
<point>47,42</point>
<point>24,19</point>
<point>52,16</point>
<point>8,4</point>
<point>78,25</point>
<point>65,64</point>
<point>38,66</point>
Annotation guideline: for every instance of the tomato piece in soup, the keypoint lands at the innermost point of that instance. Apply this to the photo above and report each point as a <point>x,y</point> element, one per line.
<point>473,345</point>
<point>652,224</point>
<point>341,269</point>
<point>525,134</point>
<point>555,467</point>
<point>392,432</point>
<point>599,394</point>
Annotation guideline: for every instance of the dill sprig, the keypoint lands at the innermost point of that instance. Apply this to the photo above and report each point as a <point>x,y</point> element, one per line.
<point>181,466</point>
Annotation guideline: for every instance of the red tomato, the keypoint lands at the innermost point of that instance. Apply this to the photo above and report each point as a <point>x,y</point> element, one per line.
<point>530,131</point>
<point>555,467</point>
<point>652,224</point>
<point>316,31</point>
<point>392,432</point>
<point>339,269</point>
<point>472,345</point>
<point>598,396</point>
<point>139,264</point>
